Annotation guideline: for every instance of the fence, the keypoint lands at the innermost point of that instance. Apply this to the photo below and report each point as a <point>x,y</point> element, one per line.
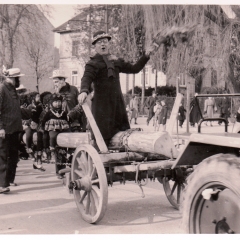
<point>235,103</point>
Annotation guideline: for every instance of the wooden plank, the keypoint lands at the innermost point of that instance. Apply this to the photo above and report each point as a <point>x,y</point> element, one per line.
<point>174,113</point>
<point>98,136</point>
<point>167,164</point>
<point>130,156</point>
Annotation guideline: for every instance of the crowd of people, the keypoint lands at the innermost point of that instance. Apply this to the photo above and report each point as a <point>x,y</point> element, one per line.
<point>45,116</point>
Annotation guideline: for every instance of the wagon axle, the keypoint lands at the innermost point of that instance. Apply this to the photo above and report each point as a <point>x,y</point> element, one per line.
<point>81,184</point>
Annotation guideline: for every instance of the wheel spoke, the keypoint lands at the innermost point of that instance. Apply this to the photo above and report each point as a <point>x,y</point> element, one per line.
<point>83,196</point>
<point>83,162</point>
<point>93,204</point>
<point>88,203</point>
<point>179,190</point>
<point>95,195</point>
<point>174,187</point>
<point>94,171</point>
<point>90,165</point>
<point>79,173</point>
<point>81,165</point>
<point>95,181</point>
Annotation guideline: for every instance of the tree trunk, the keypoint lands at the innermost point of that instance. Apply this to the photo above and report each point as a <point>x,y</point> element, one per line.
<point>146,142</point>
<point>133,85</point>
<point>156,79</point>
<point>143,88</point>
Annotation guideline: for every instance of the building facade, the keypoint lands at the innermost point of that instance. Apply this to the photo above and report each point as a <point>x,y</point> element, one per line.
<point>72,60</point>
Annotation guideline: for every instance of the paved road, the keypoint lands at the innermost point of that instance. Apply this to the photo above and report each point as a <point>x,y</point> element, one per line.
<point>42,205</point>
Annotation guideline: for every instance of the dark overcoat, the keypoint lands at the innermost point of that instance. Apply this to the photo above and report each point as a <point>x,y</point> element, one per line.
<point>195,115</point>
<point>70,97</point>
<point>181,116</point>
<point>163,115</point>
<point>108,105</point>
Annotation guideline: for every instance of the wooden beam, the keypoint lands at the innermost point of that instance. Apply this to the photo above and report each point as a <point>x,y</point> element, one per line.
<point>98,136</point>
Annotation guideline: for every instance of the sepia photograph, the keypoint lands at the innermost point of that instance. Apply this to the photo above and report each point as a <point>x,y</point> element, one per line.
<point>119,118</point>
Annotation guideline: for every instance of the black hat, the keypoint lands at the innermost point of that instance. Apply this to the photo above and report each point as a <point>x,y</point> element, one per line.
<point>100,34</point>
<point>56,97</point>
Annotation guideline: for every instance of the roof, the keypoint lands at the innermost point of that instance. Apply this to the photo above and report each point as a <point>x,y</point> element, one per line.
<point>74,24</point>
<point>62,28</point>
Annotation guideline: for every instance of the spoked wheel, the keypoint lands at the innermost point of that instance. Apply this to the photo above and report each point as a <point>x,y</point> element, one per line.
<point>173,190</point>
<point>211,200</point>
<point>89,180</point>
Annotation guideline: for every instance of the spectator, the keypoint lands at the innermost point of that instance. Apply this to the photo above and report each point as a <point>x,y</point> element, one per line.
<point>181,115</point>
<point>209,107</point>
<point>31,127</point>
<point>134,106</point>
<point>150,103</point>
<point>224,105</point>
<point>10,127</point>
<point>163,116</point>
<point>129,113</point>
<point>55,121</point>
<point>43,151</point>
<point>69,93</point>
<point>195,114</point>
<point>157,109</point>
<point>236,126</point>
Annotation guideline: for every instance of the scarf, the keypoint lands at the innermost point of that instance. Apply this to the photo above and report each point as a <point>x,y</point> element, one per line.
<point>110,66</point>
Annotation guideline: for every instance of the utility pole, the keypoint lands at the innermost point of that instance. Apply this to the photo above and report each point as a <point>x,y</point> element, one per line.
<point>106,18</point>
<point>90,30</point>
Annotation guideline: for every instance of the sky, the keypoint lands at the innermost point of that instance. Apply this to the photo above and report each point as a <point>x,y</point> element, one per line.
<point>60,14</point>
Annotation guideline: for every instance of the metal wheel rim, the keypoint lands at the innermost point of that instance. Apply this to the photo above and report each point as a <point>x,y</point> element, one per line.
<point>197,205</point>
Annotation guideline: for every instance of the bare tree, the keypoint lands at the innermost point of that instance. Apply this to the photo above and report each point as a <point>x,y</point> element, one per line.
<point>39,56</point>
<point>15,21</point>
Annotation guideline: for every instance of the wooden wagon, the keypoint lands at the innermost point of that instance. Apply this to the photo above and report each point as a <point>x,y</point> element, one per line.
<point>133,155</point>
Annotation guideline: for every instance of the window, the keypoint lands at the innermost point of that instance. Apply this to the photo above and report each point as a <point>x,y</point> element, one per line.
<point>182,80</point>
<point>146,77</point>
<point>75,78</point>
<point>75,47</point>
<point>213,77</point>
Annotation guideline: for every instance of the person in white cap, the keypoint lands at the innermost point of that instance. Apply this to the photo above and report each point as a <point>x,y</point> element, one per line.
<point>10,127</point>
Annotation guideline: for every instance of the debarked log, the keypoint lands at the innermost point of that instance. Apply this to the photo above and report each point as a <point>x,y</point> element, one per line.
<point>73,140</point>
<point>143,141</point>
<point>130,156</point>
<point>167,164</point>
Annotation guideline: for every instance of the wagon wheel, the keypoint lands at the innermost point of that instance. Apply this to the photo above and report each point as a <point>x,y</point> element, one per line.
<point>211,197</point>
<point>90,183</point>
<point>173,189</point>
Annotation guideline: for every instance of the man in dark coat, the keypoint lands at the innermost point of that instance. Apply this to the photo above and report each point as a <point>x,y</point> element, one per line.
<point>224,106</point>
<point>103,70</point>
<point>181,115</point>
<point>70,97</point>
<point>10,127</point>
<point>195,114</point>
<point>150,103</point>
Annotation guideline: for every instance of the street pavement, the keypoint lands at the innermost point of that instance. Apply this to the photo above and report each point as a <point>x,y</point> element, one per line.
<point>41,204</point>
